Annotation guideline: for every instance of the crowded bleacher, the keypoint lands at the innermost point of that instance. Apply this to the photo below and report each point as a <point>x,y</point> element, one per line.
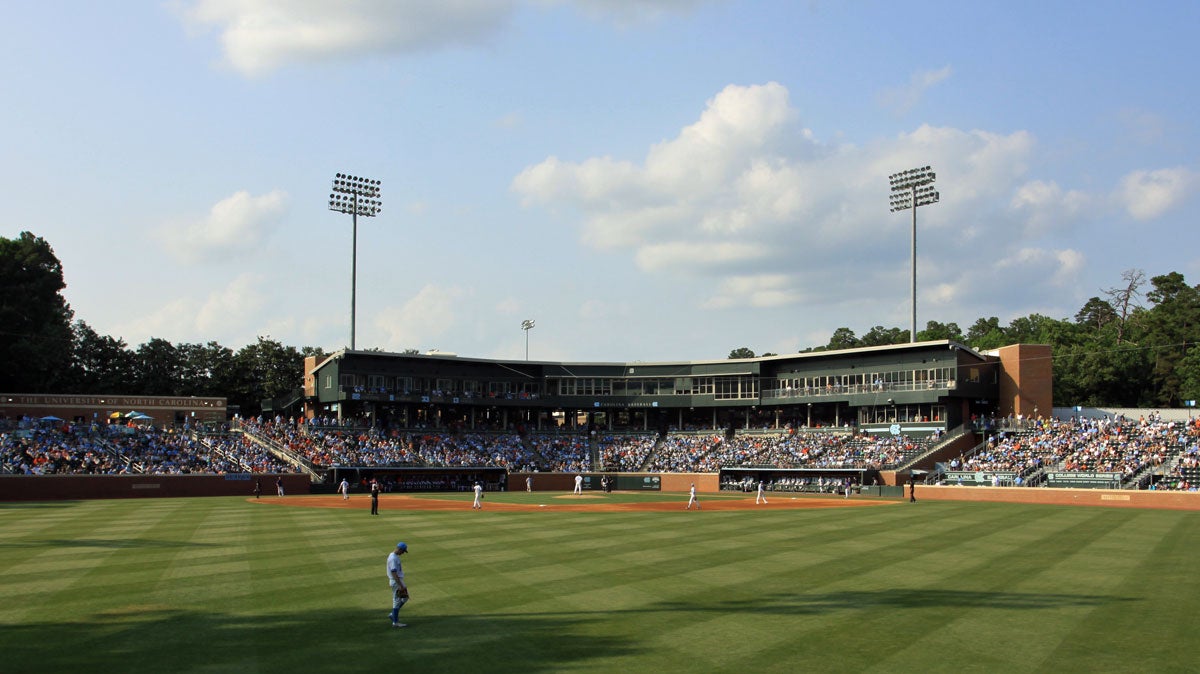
<point>1144,450</point>
<point>1147,451</point>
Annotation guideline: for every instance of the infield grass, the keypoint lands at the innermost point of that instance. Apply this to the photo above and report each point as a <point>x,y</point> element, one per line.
<point>228,585</point>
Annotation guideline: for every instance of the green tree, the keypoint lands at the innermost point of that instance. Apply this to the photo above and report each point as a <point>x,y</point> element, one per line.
<point>1189,375</point>
<point>741,352</point>
<point>1172,327</point>
<point>36,339</point>
<point>1096,314</point>
<point>159,368</point>
<point>266,369</point>
<point>102,364</point>
<point>881,336</point>
<point>1032,329</point>
<point>207,369</point>
<point>986,333</point>
<point>935,331</point>
<point>843,338</point>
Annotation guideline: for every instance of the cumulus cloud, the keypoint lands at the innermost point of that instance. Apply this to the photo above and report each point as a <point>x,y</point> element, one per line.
<point>233,228</point>
<point>749,198</point>
<point>419,322</point>
<point>760,291</point>
<point>902,99</point>
<point>1047,206</point>
<point>1146,195</point>
<point>258,36</point>
<point>232,314</point>
<point>1058,266</point>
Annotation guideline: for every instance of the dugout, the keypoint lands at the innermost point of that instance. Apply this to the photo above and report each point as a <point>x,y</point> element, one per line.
<point>799,480</point>
<point>414,479</point>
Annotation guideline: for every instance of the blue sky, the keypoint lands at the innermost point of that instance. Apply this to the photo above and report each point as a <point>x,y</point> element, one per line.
<point>647,179</point>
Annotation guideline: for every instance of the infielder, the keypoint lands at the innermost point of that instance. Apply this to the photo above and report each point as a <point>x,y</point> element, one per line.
<point>761,496</point>
<point>579,485</point>
<point>395,574</point>
<point>478,504</point>
<point>692,498</point>
<point>344,489</point>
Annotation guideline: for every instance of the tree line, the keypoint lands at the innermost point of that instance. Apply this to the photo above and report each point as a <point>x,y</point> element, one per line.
<point>1135,345</point>
<point>43,349</point>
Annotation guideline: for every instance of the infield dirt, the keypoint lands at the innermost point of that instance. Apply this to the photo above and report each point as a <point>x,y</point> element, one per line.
<point>557,503</point>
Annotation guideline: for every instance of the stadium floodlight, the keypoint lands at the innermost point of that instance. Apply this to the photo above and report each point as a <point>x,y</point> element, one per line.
<point>910,189</point>
<point>357,196</point>
<point>527,325</point>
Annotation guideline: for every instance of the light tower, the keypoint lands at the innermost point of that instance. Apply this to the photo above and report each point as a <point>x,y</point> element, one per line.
<point>910,189</point>
<point>527,325</point>
<point>357,196</point>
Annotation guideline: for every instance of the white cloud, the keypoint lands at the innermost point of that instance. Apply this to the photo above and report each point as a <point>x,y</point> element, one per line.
<point>1146,195</point>
<point>683,254</point>
<point>419,322</point>
<point>1058,266</point>
<point>1050,207</point>
<point>232,315</point>
<point>234,227</point>
<point>904,98</point>
<point>259,36</point>
<point>760,291</point>
<point>748,198</point>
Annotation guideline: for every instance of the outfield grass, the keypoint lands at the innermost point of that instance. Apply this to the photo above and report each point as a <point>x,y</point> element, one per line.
<point>227,585</point>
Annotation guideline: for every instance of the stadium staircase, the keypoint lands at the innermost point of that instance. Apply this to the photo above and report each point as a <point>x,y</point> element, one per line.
<point>652,455</point>
<point>951,445</point>
<point>281,452</point>
<point>283,404</point>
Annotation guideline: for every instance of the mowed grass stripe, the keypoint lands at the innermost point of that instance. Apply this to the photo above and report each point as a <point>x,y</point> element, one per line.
<point>833,600</point>
<point>1010,604</point>
<point>1149,621</point>
<point>80,560</point>
<point>859,588</point>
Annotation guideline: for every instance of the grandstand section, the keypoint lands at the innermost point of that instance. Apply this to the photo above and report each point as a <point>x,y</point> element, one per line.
<point>823,422</point>
<point>918,389</point>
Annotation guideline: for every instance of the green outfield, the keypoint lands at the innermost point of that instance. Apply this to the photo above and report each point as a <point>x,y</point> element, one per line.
<point>230,585</point>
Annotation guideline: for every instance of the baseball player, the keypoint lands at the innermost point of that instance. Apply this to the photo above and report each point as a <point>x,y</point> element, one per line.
<point>579,485</point>
<point>395,574</point>
<point>478,504</point>
<point>344,489</point>
<point>692,498</point>
<point>761,496</point>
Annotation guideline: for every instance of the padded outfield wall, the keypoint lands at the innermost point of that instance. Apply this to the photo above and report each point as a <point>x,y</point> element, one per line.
<point>69,487</point>
<point>1111,498</point>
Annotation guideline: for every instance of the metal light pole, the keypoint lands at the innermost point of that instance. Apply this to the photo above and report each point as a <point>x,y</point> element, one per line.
<point>357,196</point>
<point>527,325</point>
<point>910,189</point>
